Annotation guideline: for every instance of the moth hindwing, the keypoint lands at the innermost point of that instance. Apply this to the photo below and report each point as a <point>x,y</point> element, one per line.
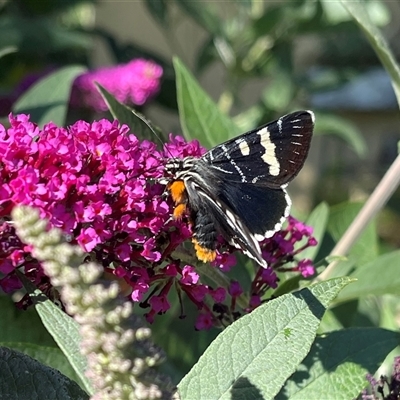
<point>237,189</point>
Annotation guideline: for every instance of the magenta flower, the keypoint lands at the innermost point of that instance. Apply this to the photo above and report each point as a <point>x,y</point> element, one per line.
<point>306,267</point>
<point>218,295</point>
<point>98,183</point>
<point>133,83</point>
<point>189,276</point>
<point>235,290</point>
<point>204,321</point>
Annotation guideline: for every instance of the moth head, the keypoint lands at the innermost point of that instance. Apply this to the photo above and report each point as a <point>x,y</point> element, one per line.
<point>177,168</point>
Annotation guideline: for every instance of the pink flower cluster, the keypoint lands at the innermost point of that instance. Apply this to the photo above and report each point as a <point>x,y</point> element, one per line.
<point>132,83</point>
<point>98,184</point>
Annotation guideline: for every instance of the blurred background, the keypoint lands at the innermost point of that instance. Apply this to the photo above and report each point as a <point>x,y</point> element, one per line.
<point>258,60</point>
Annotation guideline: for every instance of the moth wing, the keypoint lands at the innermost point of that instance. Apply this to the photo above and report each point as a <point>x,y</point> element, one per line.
<point>270,155</point>
<point>263,210</point>
<point>227,223</point>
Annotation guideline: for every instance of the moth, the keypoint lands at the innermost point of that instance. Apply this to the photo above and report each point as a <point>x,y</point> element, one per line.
<point>238,188</point>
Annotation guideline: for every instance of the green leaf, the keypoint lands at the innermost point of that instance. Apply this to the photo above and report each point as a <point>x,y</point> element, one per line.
<point>333,125</point>
<point>62,327</point>
<point>344,267</point>
<point>358,312</point>
<point>377,41</point>
<point>51,356</point>
<point>140,126</point>
<point>341,216</point>
<point>158,10</point>
<point>268,22</point>
<point>65,332</point>
<point>22,325</point>
<point>318,219</point>
<point>338,363</point>
<point>329,322</point>
<point>377,277</point>
<point>40,36</point>
<point>23,330</point>
<point>254,356</point>
<point>203,14</point>
<point>199,115</point>
<point>48,99</point>
<point>389,311</point>
<point>22,377</point>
